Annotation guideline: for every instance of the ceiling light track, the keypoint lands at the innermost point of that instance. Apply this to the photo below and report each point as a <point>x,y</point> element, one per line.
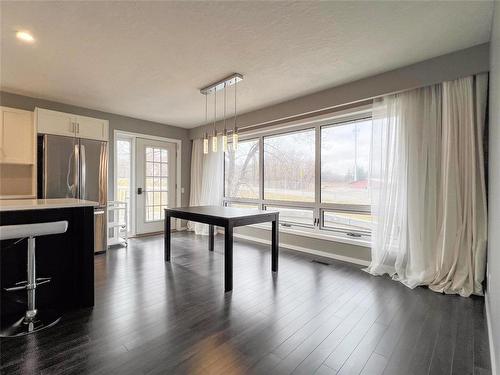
<point>222,84</point>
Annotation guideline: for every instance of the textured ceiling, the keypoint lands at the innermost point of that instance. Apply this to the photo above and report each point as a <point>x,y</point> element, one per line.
<point>149,59</point>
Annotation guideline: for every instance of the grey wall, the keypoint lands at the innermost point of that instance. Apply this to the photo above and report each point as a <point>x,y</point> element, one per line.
<point>447,67</point>
<point>493,288</point>
<point>116,122</point>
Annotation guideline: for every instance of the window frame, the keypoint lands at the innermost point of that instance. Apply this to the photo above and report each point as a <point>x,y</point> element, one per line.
<point>318,208</point>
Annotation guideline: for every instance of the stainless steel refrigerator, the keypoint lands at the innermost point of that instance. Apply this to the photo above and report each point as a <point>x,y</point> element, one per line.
<point>75,168</point>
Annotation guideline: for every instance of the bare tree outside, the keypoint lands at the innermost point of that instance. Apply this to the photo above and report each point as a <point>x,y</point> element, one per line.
<point>242,170</point>
<point>289,166</point>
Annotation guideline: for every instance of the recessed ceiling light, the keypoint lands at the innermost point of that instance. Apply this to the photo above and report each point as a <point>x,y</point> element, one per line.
<point>25,36</point>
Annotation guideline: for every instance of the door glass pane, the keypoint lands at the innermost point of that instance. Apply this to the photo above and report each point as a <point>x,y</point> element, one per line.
<point>289,166</point>
<point>345,159</point>
<point>157,153</point>
<point>241,170</point>
<point>149,154</point>
<point>149,169</point>
<point>123,173</point>
<point>164,169</point>
<point>156,186</point>
<point>149,198</point>
<point>164,184</point>
<point>294,215</point>
<point>156,169</point>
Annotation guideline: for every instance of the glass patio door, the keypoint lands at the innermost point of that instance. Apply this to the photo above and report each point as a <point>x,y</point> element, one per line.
<point>155,183</point>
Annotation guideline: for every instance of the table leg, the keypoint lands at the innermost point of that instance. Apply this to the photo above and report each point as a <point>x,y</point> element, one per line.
<point>228,258</point>
<point>167,236</point>
<point>211,237</point>
<point>275,245</point>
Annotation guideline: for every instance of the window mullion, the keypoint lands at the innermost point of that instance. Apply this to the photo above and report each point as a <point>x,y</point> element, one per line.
<point>317,174</point>
<point>261,171</point>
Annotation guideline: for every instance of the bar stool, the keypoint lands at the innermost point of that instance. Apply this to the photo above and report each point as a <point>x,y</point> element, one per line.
<point>33,319</point>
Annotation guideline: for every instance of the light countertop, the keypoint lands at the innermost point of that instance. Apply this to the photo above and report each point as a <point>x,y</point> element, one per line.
<point>41,204</point>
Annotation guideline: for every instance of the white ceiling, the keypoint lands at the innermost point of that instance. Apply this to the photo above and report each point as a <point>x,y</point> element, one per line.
<point>149,59</point>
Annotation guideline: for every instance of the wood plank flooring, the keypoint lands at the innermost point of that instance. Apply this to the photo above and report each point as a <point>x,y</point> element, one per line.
<point>156,318</point>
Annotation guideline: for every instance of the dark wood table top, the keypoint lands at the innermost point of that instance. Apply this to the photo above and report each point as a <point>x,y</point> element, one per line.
<point>217,214</point>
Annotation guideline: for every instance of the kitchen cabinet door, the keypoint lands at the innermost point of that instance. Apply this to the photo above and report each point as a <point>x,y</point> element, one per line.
<point>17,136</point>
<point>91,128</point>
<point>54,122</point>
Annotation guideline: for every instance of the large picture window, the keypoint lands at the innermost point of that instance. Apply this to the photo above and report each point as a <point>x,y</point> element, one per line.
<point>316,176</point>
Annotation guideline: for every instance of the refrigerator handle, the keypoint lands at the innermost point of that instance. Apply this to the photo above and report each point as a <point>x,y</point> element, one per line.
<point>72,179</point>
<point>83,171</point>
<point>103,174</point>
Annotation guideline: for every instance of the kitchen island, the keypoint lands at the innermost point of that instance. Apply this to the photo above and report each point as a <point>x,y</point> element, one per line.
<point>67,258</point>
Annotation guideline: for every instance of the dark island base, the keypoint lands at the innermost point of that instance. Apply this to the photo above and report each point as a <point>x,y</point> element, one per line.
<point>67,258</point>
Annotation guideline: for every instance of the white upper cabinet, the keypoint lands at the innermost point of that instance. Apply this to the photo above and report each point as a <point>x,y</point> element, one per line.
<point>17,136</point>
<point>67,124</point>
<point>91,128</point>
<point>53,122</point>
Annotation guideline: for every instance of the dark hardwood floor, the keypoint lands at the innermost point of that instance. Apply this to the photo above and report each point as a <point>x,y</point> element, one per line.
<point>156,318</point>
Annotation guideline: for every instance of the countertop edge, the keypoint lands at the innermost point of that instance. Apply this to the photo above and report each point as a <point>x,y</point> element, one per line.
<point>43,204</point>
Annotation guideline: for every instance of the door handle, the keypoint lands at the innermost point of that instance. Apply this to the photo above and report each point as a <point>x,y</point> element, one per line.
<point>139,191</point>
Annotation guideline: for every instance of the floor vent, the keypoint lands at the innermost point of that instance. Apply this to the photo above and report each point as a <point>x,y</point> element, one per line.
<point>320,262</point>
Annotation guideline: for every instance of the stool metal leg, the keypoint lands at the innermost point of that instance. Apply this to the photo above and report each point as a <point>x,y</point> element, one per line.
<point>33,320</point>
<point>31,312</point>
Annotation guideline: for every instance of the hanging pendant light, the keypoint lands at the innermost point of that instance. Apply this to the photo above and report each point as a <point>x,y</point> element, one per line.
<point>214,137</point>
<point>205,140</point>
<point>205,144</point>
<point>224,133</point>
<point>235,129</point>
<point>231,80</point>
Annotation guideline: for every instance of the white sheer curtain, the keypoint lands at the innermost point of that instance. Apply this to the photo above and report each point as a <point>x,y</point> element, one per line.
<point>428,188</point>
<point>206,181</point>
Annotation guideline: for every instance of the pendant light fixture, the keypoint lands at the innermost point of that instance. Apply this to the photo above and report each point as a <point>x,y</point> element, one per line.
<point>224,133</point>
<point>205,140</point>
<point>233,79</point>
<point>235,129</point>
<point>214,137</point>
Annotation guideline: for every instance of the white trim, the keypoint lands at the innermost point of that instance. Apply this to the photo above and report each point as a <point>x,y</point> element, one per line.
<point>117,136</point>
<point>490,335</point>
<point>178,181</point>
<point>306,250</point>
<point>147,136</point>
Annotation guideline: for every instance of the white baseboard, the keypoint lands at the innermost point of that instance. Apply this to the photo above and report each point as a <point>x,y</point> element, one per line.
<point>306,250</point>
<point>490,335</point>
